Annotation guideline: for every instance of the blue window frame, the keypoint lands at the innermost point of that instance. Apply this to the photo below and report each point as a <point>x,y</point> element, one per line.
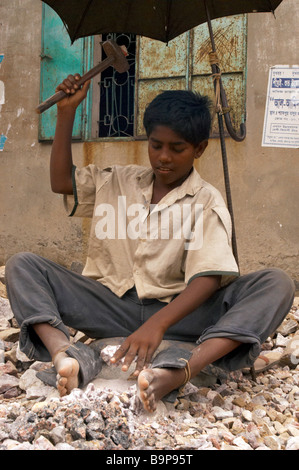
<point>58,59</point>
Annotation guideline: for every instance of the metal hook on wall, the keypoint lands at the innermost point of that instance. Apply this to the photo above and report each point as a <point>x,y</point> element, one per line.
<point>224,104</point>
<point>228,123</point>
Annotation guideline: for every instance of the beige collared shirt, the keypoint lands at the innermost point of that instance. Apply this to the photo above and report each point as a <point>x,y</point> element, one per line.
<point>160,248</point>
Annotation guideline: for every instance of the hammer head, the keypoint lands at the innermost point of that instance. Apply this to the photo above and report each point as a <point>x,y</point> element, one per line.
<point>120,62</point>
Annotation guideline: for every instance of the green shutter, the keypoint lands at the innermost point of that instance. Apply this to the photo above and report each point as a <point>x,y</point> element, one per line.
<point>184,64</point>
<point>58,59</point>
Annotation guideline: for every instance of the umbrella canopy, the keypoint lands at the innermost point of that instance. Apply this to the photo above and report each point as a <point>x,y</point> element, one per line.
<point>157,19</point>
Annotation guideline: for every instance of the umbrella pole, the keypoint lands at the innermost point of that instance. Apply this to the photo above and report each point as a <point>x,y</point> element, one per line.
<point>227,184</point>
<point>216,75</point>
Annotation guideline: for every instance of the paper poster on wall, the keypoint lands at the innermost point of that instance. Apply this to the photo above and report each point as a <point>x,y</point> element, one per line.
<point>2,89</point>
<point>2,93</point>
<point>3,138</point>
<point>281,122</point>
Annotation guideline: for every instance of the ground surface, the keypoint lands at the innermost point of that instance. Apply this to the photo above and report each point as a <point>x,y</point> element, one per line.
<point>231,412</point>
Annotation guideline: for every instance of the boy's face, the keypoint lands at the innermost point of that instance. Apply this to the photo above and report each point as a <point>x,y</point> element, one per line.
<point>171,156</point>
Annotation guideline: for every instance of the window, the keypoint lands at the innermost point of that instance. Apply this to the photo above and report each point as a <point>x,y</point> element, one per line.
<point>116,102</point>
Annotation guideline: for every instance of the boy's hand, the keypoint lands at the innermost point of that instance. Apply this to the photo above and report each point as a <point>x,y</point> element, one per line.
<point>76,94</point>
<point>140,345</point>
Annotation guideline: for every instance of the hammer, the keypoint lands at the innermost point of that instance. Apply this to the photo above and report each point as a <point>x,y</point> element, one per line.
<point>115,57</point>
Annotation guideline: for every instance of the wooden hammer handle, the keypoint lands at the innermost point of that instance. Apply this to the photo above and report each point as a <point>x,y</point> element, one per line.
<point>88,76</point>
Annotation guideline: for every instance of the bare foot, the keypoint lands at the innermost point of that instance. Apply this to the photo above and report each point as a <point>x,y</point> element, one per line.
<point>67,373</point>
<point>154,384</point>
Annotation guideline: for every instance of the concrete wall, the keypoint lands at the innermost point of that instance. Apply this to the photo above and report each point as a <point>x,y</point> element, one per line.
<point>264,181</point>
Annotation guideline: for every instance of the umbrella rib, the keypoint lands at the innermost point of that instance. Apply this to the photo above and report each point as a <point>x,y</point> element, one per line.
<point>82,19</point>
<point>271,6</point>
<point>168,8</point>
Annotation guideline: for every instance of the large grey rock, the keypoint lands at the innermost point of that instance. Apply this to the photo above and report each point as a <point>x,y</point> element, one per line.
<point>2,274</point>
<point>206,378</point>
<point>35,388</point>
<point>5,309</point>
<point>293,443</point>
<point>8,381</point>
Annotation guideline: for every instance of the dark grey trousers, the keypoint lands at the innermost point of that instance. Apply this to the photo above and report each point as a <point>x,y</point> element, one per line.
<point>248,310</point>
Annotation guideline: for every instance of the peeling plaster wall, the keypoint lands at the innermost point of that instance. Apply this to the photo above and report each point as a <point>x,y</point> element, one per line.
<point>264,181</point>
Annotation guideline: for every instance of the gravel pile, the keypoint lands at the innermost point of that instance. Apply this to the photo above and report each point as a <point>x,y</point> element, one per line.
<point>237,414</point>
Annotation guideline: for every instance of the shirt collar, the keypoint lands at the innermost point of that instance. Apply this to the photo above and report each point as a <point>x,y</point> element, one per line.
<point>190,186</point>
<point>145,178</point>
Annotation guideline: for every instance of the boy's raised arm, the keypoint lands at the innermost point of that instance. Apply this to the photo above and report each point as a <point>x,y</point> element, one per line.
<point>61,156</point>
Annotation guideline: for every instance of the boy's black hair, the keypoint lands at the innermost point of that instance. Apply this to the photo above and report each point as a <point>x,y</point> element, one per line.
<point>185,112</point>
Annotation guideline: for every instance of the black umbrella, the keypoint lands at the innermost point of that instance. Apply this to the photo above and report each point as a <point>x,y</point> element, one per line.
<point>156,19</point>
<point>164,20</point>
